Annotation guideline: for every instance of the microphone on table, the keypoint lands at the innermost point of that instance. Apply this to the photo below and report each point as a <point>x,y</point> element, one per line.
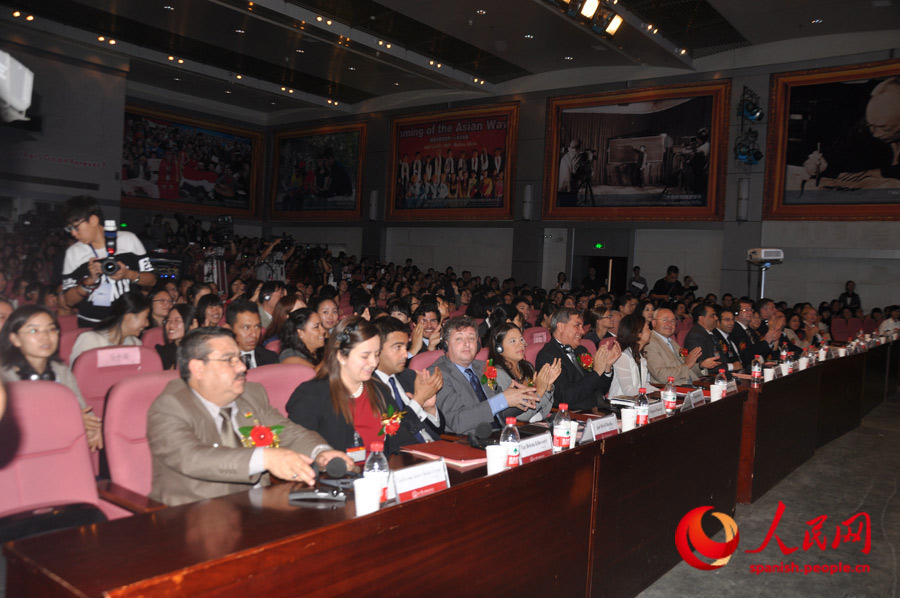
<point>481,435</point>
<point>337,469</point>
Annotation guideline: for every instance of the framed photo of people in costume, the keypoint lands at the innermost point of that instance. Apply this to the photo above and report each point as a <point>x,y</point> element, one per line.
<point>318,173</point>
<point>453,165</point>
<point>181,164</point>
<point>650,154</point>
<point>833,145</point>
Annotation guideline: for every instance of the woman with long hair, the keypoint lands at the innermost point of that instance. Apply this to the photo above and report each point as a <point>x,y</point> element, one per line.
<point>161,304</point>
<point>285,306</point>
<point>210,310</point>
<point>302,338</point>
<point>29,350</point>
<point>645,308</point>
<point>631,366</point>
<point>180,321</point>
<point>507,350</point>
<point>127,318</point>
<point>344,397</point>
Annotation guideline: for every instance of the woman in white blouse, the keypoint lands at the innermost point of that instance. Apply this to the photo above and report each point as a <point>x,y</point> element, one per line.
<point>631,367</point>
<point>127,318</point>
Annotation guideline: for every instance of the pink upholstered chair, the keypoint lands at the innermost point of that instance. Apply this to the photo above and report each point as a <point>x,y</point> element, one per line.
<point>97,370</point>
<point>152,337</point>
<point>424,360</point>
<point>870,325</point>
<point>532,350</point>
<point>482,354</point>
<point>275,346</point>
<point>590,346</point>
<point>854,327</point>
<point>280,381</point>
<point>67,323</point>
<point>536,334</point>
<point>67,341</point>
<point>839,329</point>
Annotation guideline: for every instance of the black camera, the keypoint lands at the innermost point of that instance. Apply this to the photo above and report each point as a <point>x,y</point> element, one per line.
<point>109,265</point>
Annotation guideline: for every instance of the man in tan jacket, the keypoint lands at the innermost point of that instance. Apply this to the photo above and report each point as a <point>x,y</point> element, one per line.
<point>192,428</point>
<point>664,355</point>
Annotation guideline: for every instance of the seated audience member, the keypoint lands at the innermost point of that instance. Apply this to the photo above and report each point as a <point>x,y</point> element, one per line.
<point>668,288</point>
<point>728,349</point>
<point>766,309</point>
<point>6,309</point>
<point>746,337</point>
<point>701,335</point>
<point>630,368</point>
<point>160,305</point>
<point>580,385</point>
<point>664,355</point>
<point>410,391</point>
<point>269,294</point>
<point>283,308</point>
<point>328,313</point>
<point>546,315</point>
<point>811,319</point>
<point>344,397</point>
<point>426,335</point>
<point>210,310</point>
<point>645,308</point>
<point>179,322</point>
<point>891,324</point>
<point>614,322</point>
<point>242,318</point>
<point>127,318</point>
<point>197,291</point>
<point>302,338</point>
<point>778,322</point>
<point>29,350</point>
<point>502,314</point>
<point>193,428</point>
<point>523,307</point>
<point>625,304</point>
<point>800,334</point>
<point>507,350</point>
<point>237,288</point>
<point>361,302</point>
<point>602,321</point>
<point>399,309</point>
<point>463,399</point>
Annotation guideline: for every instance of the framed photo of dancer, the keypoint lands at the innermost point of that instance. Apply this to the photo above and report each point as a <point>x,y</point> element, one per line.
<point>641,154</point>
<point>834,144</point>
<point>183,164</point>
<point>318,173</point>
<point>453,165</point>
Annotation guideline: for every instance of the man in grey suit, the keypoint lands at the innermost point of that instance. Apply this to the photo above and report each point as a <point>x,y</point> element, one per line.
<point>463,400</point>
<point>663,354</point>
<point>192,428</point>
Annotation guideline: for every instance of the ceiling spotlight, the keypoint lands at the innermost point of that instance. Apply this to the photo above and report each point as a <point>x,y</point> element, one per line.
<point>682,51</point>
<point>100,38</point>
<point>239,31</point>
<point>396,84</point>
<point>388,46</point>
<point>181,61</point>
<point>112,42</point>
<point>589,8</point>
<point>238,77</point>
<point>431,62</point>
<point>290,91</point>
<point>329,101</point>
<point>476,79</point>
<point>17,14</point>
<point>29,18</point>
<point>335,103</point>
<point>649,26</point>
<point>284,89</point>
<point>816,21</point>
<point>439,65</point>
<point>606,22</point>
<point>481,82</point>
<point>227,91</point>
<point>178,78</point>
<point>568,58</point>
<point>170,57</point>
<point>613,25</point>
<point>480,11</point>
<point>529,36</point>
<point>319,19</point>
<point>328,22</point>
<point>352,68</point>
<point>655,30</point>
<point>168,7</point>
<point>273,103</point>
<point>380,42</point>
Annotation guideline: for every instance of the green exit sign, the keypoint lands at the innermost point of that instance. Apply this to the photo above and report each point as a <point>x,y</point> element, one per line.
<point>599,245</point>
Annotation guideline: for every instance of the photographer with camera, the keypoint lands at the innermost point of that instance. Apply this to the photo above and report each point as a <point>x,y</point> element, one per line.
<point>103,265</point>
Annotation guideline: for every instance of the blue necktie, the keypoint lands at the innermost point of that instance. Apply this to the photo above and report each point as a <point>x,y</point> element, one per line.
<point>398,398</point>
<point>476,385</point>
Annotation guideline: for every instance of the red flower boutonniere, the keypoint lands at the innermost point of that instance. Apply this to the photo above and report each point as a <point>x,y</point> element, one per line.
<point>489,377</point>
<point>258,435</point>
<point>684,352</point>
<point>390,421</point>
<point>742,346</point>
<point>587,362</point>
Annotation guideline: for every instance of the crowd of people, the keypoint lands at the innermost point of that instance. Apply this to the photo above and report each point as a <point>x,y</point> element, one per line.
<point>361,324</point>
<point>449,181</point>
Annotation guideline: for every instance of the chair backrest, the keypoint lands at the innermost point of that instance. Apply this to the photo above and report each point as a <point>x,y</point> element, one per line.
<point>275,346</point>
<point>681,335</point>
<point>152,337</point>
<point>839,329</point>
<point>96,370</point>
<point>67,323</point>
<point>590,346</point>
<point>482,354</point>
<point>125,428</point>
<point>44,455</point>
<point>870,325</point>
<point>607,342</point>
<point>536,334</point>
<point>67,341</point>
<point>854,326</point>
<point>280,381</point>
<point>531,351</point>
<point>424,360</point>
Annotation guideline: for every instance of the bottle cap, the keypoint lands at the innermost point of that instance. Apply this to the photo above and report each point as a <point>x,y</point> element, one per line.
<point>671,379</point>
<point>721,371</point>
<point>510,421</point>
<point>757,356</point>
<point>642,390</point>
<point>376,447</point>
<point>563,406</point>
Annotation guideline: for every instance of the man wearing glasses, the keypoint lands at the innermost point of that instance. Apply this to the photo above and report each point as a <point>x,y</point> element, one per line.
<point>84,284</point>
<point>748,342</point>
<point>193,428</point>
<point>664,354</point>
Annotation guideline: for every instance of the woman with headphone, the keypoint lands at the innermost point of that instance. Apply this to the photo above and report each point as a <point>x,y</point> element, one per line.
<point>507,350</point>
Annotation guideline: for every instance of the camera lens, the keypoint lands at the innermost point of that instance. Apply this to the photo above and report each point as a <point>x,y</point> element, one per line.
<point>109,266</point>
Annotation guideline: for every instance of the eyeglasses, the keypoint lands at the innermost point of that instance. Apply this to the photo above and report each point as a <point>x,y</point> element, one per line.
<point>71,228</point>
<point>231,360</point>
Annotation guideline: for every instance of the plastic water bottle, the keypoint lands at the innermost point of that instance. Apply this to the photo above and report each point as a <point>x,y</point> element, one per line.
<point>783,357</point>
<point>669,395</point>
<point>721,381</point>
<point>562,429</point>
<point>509,438</point>
<point>357,451</point>
<point>643,408</point>
<point>756,371</point>
<point>377,467</point>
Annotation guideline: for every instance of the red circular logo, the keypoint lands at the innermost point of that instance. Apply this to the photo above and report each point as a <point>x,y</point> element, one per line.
<point>690,532</point>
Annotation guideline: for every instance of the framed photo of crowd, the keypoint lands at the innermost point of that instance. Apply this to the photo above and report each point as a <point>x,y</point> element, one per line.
<point>453,165</point>
<point>834,144</point>
<point>318,173</point>
<point>640,154</point>
<point>176,163</point>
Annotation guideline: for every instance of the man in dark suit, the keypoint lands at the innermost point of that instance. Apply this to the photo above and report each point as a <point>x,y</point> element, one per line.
<point>583,388</point>
<point>410,391</point>
<point>193,428</point>
<point>766,309</point>
<point>748,342</point>
<point>242,318</point>
<point>701,335</point>
<point>463,399</point>
<point>731,359</point>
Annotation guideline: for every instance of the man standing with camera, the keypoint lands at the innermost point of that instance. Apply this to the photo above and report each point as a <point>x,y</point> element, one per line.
<point>91,282</point>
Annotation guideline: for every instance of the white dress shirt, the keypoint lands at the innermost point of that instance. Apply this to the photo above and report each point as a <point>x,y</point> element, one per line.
<point>412,405</point>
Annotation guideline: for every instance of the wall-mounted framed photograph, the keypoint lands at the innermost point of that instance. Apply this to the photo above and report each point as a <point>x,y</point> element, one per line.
<point>181,164</point>
<point>639,154</point>
<point>834,144</point>
<point>318,173</point>
<point>453,165</point>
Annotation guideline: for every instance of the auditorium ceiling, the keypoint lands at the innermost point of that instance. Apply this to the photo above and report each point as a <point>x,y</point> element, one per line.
<point>351,56</point>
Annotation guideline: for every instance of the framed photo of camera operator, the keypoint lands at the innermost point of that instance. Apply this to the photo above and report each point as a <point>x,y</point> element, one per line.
<point>641,154</point>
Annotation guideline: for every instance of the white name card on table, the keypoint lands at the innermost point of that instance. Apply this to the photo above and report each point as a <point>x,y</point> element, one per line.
<point>536,447</point>
<point>656,410</point>
<point>730,387</point>
<point>697,398</point>
<point>600,427</point>
<point>540,337</point>
<point>118,356</point>
<point>420,480</point>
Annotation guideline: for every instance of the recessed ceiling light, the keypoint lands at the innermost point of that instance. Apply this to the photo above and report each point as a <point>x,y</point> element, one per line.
<point>476,79</point>
<point>816,21</point>
<point>299,51</point>
<point>480,11</point>
<point>181,61</point>
<point>171,58</point>
<point>396,83</point>
<point>655,30</point>
<point>682,51</point>
<point>29,18</point>
<point>329,101</point>
<point>227,91</point>
<point>319,19</point>
<point>481,82</point>
<point>439,65</point>
<point>431,62</point>
<point>238,77</point>
<point>388,46</point>
<point>239,31</point>
<point>529,36</point>
<point>284,89</point>
<point>380,42</point>
<point>100,38</point>
<point>17,14</point>
<point>328,22</point>
<point>168,7</point>
<point>335,103</point>
<point>178,78</point>
<point>290,91</point>
<point>569,58</point>
<point>112,42</point>
<point>352,68</point>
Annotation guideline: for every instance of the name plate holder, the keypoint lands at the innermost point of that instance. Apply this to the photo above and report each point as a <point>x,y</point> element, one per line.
<point>536,447</point>
<point>420,480</point>
<point>116,356</point>
<point>600,427</point>
<point>656,411</point>
<point>693,399</point>
<point>731,387</point>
